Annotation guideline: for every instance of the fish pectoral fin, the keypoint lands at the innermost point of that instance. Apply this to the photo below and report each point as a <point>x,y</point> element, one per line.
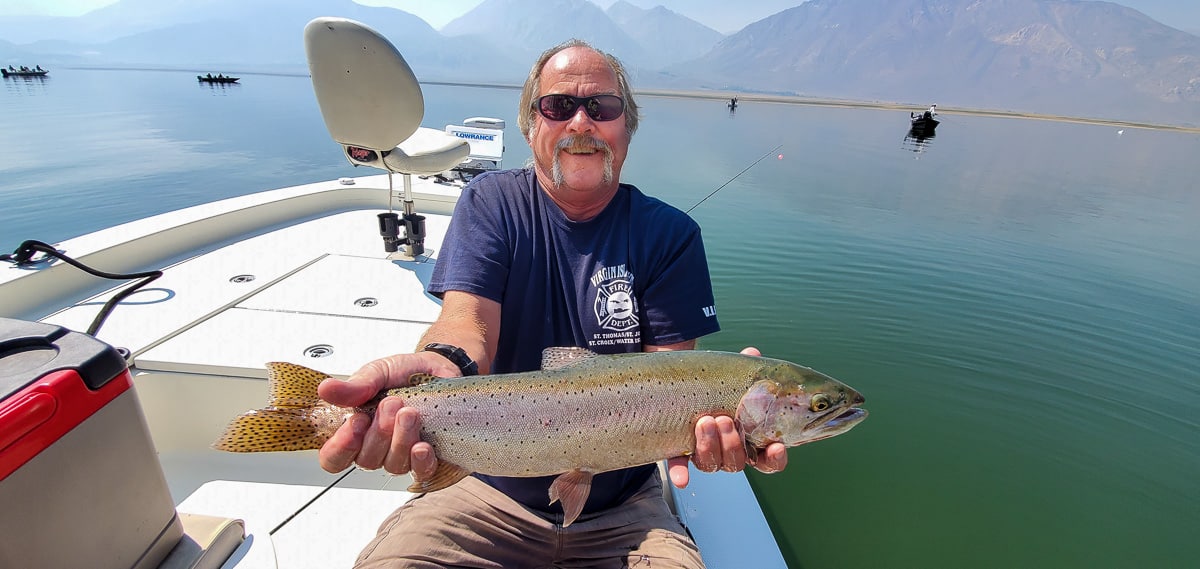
<point>571,489</point>
<point>751,453</point>
<point>447,474</point>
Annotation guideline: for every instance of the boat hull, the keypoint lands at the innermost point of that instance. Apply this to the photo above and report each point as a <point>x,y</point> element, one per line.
<point>8,73</point>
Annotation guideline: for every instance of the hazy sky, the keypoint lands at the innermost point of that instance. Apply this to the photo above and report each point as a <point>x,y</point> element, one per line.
<point>722,15</point>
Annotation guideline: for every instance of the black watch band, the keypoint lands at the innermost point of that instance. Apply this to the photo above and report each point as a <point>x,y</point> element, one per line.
<point>456,355</point>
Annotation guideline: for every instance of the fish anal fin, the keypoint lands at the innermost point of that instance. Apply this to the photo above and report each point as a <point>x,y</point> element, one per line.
<point>561,357</point>
<point>571,488</point>
<point>447,474</point>
<point>293,385</point>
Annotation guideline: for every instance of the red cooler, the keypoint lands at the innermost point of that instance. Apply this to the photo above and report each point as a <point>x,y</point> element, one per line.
<point>80,482</point>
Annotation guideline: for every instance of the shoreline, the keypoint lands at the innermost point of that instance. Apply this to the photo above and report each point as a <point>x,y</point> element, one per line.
<point>779,99</point>
<point>848,103</point>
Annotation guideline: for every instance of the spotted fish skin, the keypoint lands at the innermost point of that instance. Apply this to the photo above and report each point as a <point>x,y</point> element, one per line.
<point>580,415</point>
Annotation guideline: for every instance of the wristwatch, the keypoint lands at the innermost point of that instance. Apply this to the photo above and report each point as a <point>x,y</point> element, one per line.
<point>456,355</point>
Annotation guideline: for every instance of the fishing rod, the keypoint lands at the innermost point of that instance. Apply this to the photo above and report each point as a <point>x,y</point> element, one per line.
<point>736,176</point>
<point>314,499</point>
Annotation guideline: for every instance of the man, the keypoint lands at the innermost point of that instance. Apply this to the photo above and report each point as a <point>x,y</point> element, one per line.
<point>557,254</point>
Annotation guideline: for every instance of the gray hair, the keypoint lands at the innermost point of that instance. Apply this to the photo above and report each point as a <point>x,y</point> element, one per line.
<point>526,114</point>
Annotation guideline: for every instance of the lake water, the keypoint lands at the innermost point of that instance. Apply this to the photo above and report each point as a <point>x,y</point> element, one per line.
<point>1017,299</point>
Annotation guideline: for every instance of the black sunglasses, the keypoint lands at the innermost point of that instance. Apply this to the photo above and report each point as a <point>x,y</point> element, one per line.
<point>563,107</point>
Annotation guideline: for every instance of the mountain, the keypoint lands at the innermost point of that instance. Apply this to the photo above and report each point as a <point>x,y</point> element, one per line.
<point>523,29</point>
<point>644,40</point>
<point>665,36</point>
<point>1070,57</point>
<point>1065,57</point>
<point>235,34</point>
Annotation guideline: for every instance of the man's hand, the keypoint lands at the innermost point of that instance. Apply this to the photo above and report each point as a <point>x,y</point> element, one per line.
<point>392,438</point>
<point>719,446</point>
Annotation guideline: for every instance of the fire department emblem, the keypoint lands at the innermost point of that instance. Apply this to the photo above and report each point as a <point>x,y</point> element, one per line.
<point>616,307</point>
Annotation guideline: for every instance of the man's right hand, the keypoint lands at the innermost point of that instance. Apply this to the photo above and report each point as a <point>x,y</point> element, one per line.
<point>392,438</point>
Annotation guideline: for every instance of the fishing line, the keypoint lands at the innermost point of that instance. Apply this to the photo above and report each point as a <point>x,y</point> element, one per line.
<point>714,192</point>
<point>314,499</point>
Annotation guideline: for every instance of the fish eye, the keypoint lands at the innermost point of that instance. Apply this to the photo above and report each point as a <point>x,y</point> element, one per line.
<point>820,402</point>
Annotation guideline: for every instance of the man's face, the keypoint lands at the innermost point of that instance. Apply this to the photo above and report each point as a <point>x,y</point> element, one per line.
<point>579,154</point>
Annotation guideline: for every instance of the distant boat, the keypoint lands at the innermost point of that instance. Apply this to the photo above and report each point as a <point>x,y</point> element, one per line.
<point>923,123</point>
<point>733,103</point>
<point>24,72</point>
<point>217,79</point>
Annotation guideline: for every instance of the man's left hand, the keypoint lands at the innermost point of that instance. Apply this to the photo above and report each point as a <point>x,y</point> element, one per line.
<point>719,446</point>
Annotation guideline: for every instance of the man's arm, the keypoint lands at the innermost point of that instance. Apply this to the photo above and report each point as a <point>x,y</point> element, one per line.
<point>470,322</point>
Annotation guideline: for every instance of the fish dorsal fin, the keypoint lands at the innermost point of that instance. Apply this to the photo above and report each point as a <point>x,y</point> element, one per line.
<point>293,385</point>
<point>558,358</point>
<point>421,378</point>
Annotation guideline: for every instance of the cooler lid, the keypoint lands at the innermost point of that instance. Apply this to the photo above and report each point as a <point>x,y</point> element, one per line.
<point>30,350</point>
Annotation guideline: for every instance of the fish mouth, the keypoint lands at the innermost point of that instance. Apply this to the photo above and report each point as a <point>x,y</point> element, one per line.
<point>835,423</point>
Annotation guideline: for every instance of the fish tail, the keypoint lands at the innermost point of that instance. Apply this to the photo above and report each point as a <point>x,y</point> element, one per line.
<point>271,429</point>
<point>295,418</point>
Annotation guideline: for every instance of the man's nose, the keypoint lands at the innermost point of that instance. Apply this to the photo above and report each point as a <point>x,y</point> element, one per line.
<point>581,121</point>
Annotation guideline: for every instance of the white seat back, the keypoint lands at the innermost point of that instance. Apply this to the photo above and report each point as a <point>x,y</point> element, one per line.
<point>371,100</point>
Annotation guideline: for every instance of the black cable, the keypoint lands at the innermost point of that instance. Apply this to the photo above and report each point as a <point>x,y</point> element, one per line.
<point>23,256</point>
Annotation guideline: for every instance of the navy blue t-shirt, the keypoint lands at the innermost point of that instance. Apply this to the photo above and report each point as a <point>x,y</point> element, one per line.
<point>634,275</point>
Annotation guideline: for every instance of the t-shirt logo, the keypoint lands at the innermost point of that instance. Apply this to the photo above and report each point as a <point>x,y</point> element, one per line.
<point>615,305</point>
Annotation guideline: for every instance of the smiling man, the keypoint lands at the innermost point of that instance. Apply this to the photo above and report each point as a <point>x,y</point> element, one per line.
<point>559,253</point>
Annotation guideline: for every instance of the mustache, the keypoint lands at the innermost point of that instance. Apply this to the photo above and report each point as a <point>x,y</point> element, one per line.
<point>581,141</point>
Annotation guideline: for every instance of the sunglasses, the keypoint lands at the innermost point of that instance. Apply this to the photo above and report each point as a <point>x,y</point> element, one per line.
<point>563,107</point>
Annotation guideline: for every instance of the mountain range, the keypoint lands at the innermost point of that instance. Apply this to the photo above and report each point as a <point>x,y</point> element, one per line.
<point>1069,57</point>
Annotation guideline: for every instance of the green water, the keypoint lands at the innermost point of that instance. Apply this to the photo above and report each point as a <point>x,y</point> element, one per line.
<point>1017,300</point>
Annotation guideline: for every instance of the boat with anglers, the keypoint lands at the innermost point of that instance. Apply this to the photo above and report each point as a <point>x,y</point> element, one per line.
<point>923,124</point>
<point>112,395</point>
<point>23,71</point>
<point>218,78</point>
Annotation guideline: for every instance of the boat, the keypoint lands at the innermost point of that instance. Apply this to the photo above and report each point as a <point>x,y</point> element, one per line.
<point>329,274</point>
<point>10,71</point>
<point>217,79</point>
<point>922,124</point>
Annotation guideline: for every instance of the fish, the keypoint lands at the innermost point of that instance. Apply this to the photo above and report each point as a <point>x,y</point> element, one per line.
<point>582,414</point>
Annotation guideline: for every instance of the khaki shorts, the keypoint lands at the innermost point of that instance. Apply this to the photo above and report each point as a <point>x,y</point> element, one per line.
<point>472,524</point>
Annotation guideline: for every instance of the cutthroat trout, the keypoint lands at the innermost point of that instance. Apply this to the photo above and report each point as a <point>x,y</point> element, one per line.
<point>582,414</point>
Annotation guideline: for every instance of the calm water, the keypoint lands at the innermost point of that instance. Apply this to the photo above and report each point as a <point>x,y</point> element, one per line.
<point>1017,299</point>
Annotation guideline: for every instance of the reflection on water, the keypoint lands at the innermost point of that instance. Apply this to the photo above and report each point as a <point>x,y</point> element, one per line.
<point>917,140</point>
